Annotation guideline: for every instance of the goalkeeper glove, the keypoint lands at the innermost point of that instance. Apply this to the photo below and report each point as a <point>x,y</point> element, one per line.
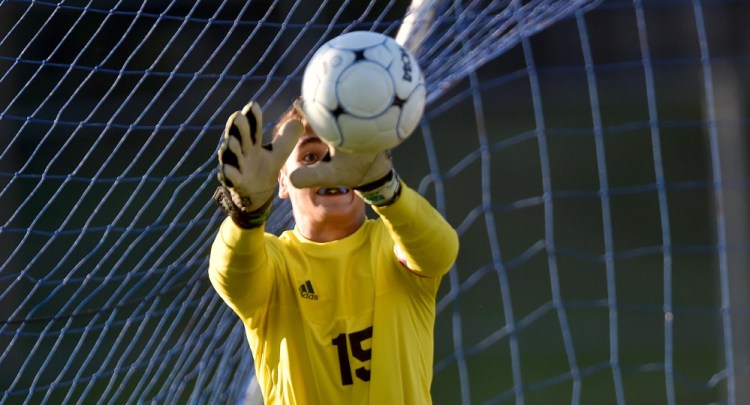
<point>370,175</point>
<point>248,170</point>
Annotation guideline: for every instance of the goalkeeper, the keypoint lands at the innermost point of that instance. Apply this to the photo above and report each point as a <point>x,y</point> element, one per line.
<point>341,309</point>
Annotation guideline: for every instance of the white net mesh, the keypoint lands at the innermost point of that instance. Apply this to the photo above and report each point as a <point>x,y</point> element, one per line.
<point>590,154</point>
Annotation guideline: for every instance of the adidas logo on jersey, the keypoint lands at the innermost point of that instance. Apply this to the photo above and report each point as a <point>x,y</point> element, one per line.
<point>306,291</point>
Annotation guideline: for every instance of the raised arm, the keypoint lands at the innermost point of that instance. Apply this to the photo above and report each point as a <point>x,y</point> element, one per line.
<point>426,242</point>
<point>239,265</point>
<point>239,268</point>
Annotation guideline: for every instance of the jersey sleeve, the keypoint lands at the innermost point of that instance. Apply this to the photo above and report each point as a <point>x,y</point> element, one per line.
<point>240,269</point>
<point>424,239</point>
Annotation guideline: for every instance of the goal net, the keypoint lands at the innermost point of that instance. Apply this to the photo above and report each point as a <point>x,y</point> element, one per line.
<point>591,154</point>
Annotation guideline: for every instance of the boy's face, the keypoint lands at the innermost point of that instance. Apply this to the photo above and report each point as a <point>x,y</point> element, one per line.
<point>317,204</point>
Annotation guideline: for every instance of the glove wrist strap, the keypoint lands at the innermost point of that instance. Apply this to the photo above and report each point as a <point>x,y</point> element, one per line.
<point>243,219</point>
<point>381,192</point>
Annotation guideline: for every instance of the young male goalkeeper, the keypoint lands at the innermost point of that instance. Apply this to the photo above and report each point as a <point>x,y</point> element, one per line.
<point>341,309</point>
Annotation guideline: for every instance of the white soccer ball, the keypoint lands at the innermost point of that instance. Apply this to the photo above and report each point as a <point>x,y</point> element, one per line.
<point>362,92</point>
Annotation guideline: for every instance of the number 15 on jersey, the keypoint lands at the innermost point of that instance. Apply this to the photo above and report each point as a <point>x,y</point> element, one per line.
<point>354,341</point>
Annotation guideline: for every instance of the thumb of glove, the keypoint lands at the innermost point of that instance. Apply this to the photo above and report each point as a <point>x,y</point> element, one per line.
<point>285,141</point>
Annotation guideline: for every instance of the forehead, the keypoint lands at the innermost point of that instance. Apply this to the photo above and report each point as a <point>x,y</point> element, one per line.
<point>309,139</point>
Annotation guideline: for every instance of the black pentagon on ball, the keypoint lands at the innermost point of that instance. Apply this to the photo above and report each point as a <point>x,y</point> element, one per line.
<point>359,55</point>
<point>338,111</point>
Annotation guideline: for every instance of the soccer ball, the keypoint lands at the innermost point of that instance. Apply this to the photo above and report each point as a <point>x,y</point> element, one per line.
<point>362,92</point>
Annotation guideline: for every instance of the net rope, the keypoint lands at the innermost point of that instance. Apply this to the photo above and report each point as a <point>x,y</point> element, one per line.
<point>589,153</point>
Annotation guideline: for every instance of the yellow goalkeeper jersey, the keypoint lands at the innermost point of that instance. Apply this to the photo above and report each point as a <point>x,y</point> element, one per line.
<point>343,322</point>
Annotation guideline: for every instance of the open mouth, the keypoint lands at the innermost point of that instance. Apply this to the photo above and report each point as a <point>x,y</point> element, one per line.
<point>333,190</point>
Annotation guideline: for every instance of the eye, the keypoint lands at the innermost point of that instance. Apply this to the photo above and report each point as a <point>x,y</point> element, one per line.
<point>310,158</point>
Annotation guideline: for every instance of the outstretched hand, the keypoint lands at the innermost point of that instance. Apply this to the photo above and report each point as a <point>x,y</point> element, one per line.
<point>371,175</point>
<point>341,168</point>
<point>248,169</point>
